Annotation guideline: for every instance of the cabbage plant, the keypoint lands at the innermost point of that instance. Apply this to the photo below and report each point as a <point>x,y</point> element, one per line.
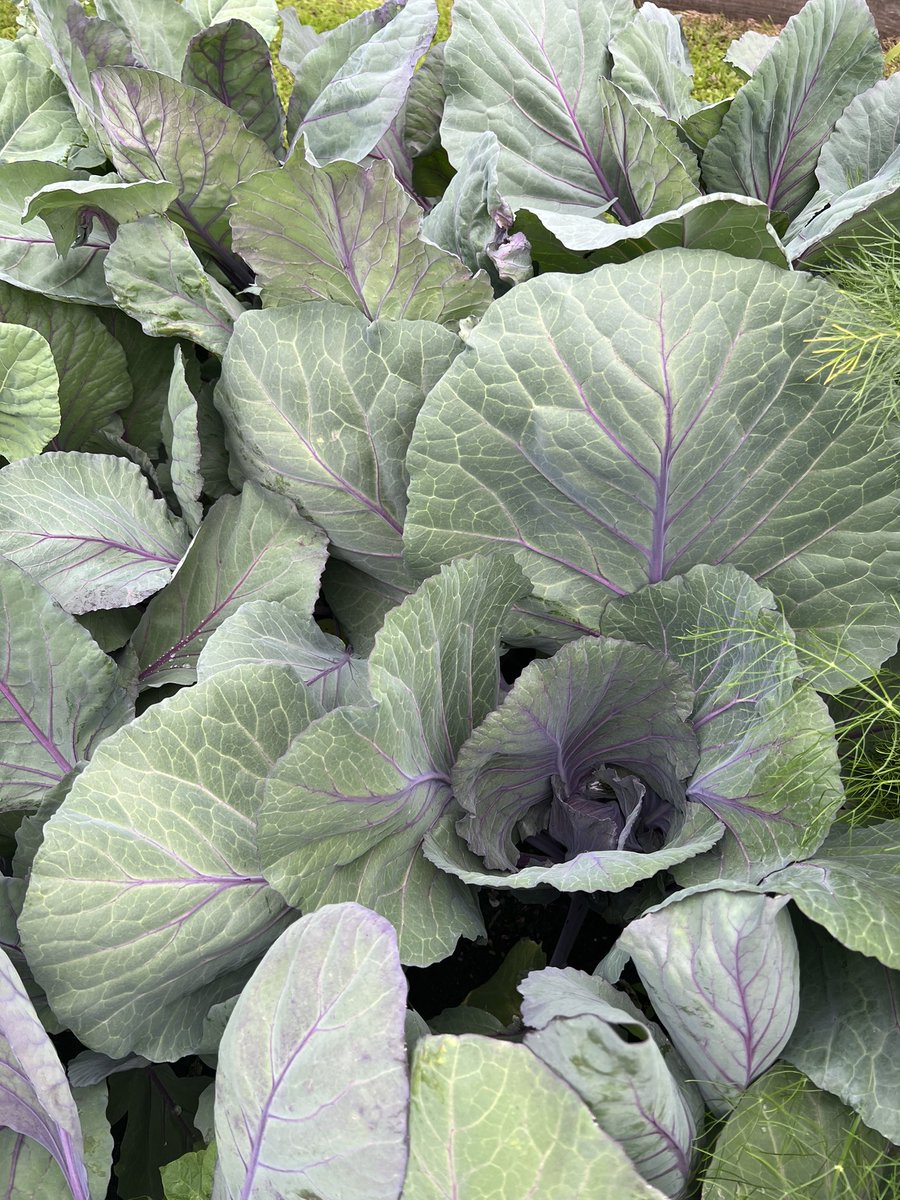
<point>433,561</point>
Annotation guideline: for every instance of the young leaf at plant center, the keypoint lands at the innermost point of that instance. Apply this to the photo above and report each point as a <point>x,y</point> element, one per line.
<point>722,973</point>
<point>269,632</point>
<point>88,529</point>
<point>202,146</point>
<point>619,427</point>
<point>181,437</point>
<point>519,72</point>
<point>149,368</point>
<point>595,1039</point>
<point>158,1107</point>
<point>158,30</point>
<point>36,1099</point>
<point>319,404</point>
<point>767,145</point>
<point>160,828</point>
<point>588,756</point>
<point>29,396</point>
<point>850,886</point>
<point>255,546</point>
<point>499,995</point>
<point>863,151</point>
<point>59,693</point>
<point>788,1138</point>
<point>355,107</point>
<point>737,225</point>
<point>747,52</point>
<point>36,119</point>
<point>232,62</point>
<point>347,807</point>
<point>359,602</point>
<point>768,761</point>
<point>28,256</point>
<point>157,278</point>
<point>69,208</point>
<point>352,234</point>
<point>261,14</point>
<point>847,1039</point>
<point>78,46</point>
<point>652,65</point>
<point>92,387</point>
<point>312,1083</point>
<point>488,1118</point>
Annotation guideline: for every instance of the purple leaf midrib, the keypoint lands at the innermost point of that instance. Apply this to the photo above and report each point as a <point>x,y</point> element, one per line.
<point>137,551</point>
<point>36,732</point>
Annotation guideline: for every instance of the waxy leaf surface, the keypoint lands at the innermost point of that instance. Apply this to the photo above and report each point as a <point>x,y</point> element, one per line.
<point>88,529</point>
<point>252,547</point>
<point>619,427</point>
<point>146,902</point>
<point>312,1082</point>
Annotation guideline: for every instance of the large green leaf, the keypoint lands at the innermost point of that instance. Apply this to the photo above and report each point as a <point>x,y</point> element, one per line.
<point>29,392</point>
<point>619,427</point>
<point>28,257</point>
<point>252,547</point>
<point>312,1080</point>
<point>847,1038</point>
<point>788,1138</point>
<point>738,225</point>
<point>265,631</point>
<point>69,208</point>
<point>347,807</point>
<point>769,140</point>
<point>88,529</point>
<point>78,46</point>
<point>651,63</point>
<point>232,62</point>
<point>352,234</point>
<point>488,1118</point>
<point>201,146</point>
<point>37,120</point>
<point>355,105</point>
<point>850,886</point>
<point>722,973</point>
<point>146,902</point>
<point>595,1039</point>
<point>858,175</point>
<point>158,30</point>
<point>522,72</point>
<point>768,763</point>
<point>320,405</point>
<point>157,278</point>
<point>94,385</point>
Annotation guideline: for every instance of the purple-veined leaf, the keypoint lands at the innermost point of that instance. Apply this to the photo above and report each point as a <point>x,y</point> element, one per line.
<point>147,903</point>
<point>311,1085</point>
<point>158,128</point>
<point>771,135</point>
<point>521,71</point>
<point>59,693</point>
<point>255,546</point>
<point>319,405</point>
<point>88,529</point>
<point>721,971</point>
<point>69,208</point>
<point>620,1064</point>
<point>35,1099</point>
<point>347,807</point>
<point>617,428</point>
<point>768,766</point>
<point>232,62</point>
<point>352,234</point>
